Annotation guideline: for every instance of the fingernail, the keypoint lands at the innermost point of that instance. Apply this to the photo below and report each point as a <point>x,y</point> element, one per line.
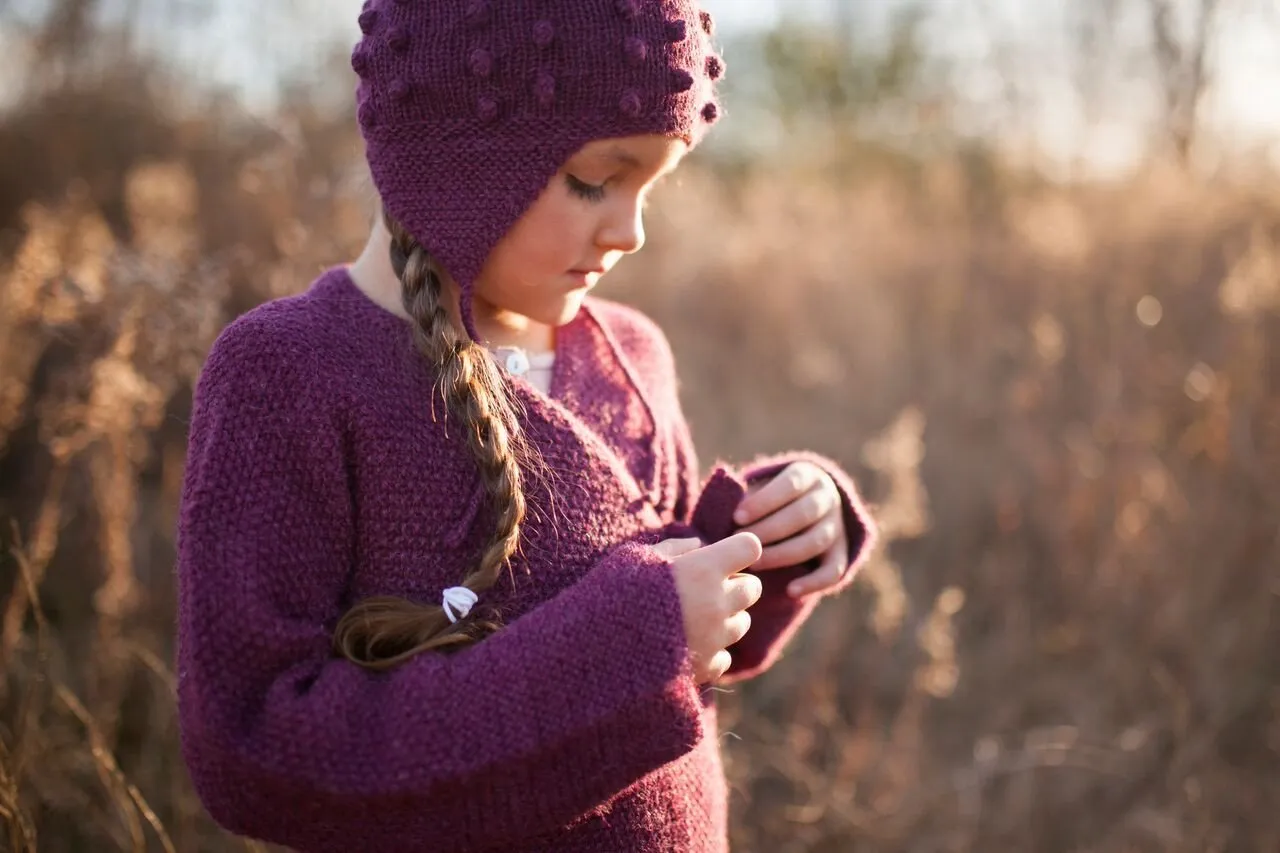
<point>740,517</point>
<point>795,589</point>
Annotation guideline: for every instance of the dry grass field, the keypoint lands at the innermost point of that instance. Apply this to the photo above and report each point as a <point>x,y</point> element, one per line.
<point>1063,400</point>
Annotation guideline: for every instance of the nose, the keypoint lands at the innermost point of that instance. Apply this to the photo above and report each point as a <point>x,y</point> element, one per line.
<point>623,228</point>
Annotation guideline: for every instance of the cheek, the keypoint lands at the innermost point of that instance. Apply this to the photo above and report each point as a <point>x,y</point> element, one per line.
<point>550,239</point>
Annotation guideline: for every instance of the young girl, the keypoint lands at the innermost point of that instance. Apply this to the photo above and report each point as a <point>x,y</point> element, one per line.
<point>447,578</point>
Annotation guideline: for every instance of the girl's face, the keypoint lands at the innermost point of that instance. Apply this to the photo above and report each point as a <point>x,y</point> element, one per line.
<point>586,219</point>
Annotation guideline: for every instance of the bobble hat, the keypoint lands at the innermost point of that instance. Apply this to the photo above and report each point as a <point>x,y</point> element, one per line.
<point>468,108</point>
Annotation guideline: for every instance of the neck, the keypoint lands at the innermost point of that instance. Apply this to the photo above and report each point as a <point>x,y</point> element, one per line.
<point>372,273</point>
<point>503,328</point>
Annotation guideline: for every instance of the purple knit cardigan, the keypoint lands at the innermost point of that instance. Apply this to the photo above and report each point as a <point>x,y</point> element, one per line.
<point>317,475</point>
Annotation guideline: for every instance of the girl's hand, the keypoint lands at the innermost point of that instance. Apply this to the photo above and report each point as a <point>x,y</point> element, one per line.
<point>714,597</point>
<point>798,516</point>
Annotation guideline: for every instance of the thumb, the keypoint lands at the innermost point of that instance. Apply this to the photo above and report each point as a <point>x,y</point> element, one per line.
<point>672,548</point>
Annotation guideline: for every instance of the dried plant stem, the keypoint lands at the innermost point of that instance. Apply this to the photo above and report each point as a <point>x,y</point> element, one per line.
<point>36,560</point>
<point>130,800</point>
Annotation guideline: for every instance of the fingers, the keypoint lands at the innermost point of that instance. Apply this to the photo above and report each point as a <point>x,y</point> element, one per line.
<point>814,542</point>
<point>715,594</point>
<point>827,575</point>
<point>718,665</point>
<point>733,554</point>
<point>789,484</point>
<point>736,627</point>
<point>672,548</point>
<point>797,516</point>
<point>742,591</point>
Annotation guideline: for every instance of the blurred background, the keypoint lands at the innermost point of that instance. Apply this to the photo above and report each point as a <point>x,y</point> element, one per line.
<point>1016,264</point>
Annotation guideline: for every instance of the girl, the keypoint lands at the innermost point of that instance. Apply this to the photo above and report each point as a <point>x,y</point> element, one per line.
<point>447,578</point>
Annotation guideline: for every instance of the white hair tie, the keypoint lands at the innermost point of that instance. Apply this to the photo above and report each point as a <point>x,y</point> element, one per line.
<point>461,599</point>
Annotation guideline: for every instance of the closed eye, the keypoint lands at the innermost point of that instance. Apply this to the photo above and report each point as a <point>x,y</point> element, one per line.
<point>584,190</point>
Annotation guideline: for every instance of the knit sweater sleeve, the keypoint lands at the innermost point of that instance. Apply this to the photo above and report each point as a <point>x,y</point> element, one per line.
<point>522,733</point>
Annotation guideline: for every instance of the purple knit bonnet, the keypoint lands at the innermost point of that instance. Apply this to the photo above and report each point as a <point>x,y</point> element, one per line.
<point>468,108</point>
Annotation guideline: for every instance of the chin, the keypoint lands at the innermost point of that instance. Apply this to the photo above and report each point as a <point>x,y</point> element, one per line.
<point>565,311</point>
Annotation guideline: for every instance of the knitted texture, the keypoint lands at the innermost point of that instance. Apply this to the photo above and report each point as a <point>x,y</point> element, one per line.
<point>469,107</point>
<point>317,475</point>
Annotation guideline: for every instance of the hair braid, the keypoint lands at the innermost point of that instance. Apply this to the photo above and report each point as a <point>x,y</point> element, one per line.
<point>382,632</point>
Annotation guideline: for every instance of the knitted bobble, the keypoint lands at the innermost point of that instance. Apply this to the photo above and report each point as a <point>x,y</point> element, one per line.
<point>628,8</point>
<point>710,112</point>
<point>637,50</point>
<point>360,59</point>
<point>630,104</point>
<point>715,67</point>
<point>681,80</point>
<point>544,89</point>
<point>543,33</point>
<point>708,23</point>
<point>398,90</point>
<point>398,38</point>
<point>367,115</point>
<point>480,62</point>
<point>675,31</point>
<point>368,20</point>
<point>478,12</point>
<point>487,109</point>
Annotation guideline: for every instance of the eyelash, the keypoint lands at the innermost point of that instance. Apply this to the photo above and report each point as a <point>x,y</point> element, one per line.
<point>584,190</point>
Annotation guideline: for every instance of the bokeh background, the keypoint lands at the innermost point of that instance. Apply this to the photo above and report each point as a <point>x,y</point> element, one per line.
<point>1016,264</point>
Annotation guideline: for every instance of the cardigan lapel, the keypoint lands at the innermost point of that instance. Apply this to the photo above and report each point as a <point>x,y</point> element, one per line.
<point>595,398</point>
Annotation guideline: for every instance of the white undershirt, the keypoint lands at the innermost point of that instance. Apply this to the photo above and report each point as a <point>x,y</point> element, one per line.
<point>535,367</point>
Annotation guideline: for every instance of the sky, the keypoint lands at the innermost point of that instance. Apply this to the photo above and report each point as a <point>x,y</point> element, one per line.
<point>994,37</point>
<point>994,40</point>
